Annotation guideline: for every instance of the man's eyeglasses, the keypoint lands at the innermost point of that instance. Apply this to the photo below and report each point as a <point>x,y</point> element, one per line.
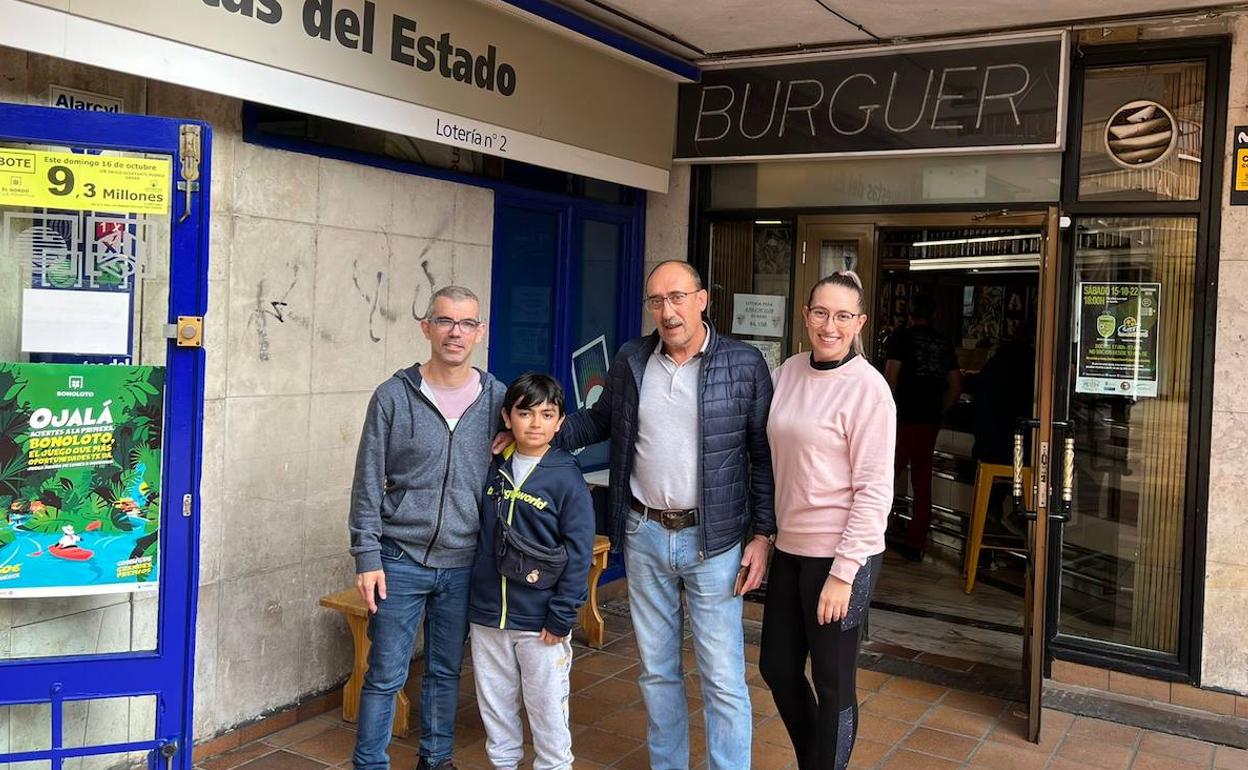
<point>444,324</point>
<point>840,318</point>
<point>677,298</point>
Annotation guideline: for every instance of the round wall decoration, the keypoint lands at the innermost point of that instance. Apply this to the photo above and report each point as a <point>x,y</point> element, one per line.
<point>1141,134</point>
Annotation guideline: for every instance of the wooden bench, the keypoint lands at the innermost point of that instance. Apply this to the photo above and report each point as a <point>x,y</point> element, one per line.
<point>591,617</point>
<point>352,607</point>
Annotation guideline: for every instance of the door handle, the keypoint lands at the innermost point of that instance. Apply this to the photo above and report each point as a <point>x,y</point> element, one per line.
<point>1020,439</point>
<point>1061,512</point>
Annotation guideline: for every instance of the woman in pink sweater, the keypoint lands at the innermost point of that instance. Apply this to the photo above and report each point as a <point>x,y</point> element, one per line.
<point>832,430</point>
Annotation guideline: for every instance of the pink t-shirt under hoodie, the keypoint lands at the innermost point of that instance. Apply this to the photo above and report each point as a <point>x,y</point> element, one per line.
<point>832,434</point>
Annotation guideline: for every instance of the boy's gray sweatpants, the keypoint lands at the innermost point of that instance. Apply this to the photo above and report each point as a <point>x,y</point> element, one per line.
<point>514,669</point>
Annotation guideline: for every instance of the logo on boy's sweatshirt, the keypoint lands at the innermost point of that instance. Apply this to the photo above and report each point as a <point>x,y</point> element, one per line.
<point>524,497</point>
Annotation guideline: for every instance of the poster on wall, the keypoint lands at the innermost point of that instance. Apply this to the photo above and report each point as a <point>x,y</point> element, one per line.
<point>758,314</point>
<point>1117,338</point>
<point>80,465</point>
<point>1239,178</point>
<point>589,371</point>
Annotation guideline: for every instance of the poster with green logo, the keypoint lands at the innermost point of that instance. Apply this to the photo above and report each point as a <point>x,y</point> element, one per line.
<point>1117,338</point>
<point>80,465</point>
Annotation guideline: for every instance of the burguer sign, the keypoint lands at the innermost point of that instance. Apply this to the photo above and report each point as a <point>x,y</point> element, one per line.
<point>998,94</point>
<point>484,76</point>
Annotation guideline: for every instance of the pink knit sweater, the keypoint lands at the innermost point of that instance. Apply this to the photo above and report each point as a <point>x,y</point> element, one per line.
<point>832,436</point>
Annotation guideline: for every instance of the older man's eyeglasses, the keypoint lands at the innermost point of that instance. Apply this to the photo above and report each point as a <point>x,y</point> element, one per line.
<point>677,298</point>
<point>840,318</point>
<point>444,324</point>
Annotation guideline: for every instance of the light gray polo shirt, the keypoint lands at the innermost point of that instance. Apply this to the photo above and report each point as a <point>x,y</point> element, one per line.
<point>667,456</point>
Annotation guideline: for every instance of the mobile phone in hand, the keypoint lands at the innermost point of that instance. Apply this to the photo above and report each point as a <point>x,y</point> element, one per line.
<point>739,585</point>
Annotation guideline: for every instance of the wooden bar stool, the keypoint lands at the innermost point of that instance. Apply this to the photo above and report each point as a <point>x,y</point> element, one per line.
<point>986,474</point>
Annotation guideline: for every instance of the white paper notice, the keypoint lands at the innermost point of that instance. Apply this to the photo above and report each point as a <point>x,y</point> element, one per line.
<point>758,314</point>
<point>81,322</point>
<point>771,350</point>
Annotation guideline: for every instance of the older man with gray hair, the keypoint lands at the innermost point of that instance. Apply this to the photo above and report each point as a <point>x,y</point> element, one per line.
<point>421,467</point>
<point>690,505</point>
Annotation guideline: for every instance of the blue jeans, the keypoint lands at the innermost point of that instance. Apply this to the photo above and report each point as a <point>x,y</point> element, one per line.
<point>413,590</point>
<point>659,561</point>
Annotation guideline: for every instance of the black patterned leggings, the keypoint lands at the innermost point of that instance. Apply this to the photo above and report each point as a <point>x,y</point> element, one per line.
<point>822,722</point>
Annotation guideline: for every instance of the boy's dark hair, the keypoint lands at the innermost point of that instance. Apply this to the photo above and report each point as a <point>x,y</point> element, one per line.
<point>531,389</point>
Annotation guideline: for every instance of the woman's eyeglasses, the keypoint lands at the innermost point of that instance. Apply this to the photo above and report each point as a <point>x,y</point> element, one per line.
<point>840,318</point>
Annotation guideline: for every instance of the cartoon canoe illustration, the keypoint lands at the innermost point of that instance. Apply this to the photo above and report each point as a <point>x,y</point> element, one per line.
<point>72,554</point>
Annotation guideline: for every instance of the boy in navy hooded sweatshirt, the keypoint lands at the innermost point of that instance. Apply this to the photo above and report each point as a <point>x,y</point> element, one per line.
<point>529,580</point>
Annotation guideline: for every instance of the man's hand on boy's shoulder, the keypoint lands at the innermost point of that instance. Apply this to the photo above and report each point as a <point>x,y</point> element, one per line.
<point>501,442</point>
<point>550,638</point>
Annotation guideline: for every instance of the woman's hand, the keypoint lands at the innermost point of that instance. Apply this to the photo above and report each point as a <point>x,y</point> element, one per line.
<point>833,600</point>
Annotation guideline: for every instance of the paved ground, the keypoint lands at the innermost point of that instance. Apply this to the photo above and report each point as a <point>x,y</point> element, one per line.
<point>905,725</point>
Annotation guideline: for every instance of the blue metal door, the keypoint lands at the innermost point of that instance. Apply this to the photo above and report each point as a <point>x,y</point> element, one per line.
<point>97,650</point>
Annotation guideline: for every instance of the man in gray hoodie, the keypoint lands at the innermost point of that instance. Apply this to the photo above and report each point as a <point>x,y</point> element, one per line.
<point>419,474</point>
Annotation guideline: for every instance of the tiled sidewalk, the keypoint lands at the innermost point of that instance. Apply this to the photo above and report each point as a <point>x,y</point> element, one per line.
<point>905,725</point>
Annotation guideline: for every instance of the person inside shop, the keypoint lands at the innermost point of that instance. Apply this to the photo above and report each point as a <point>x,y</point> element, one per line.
<point>831,429</point>
<point>922,371</point>
<point>420,473</point>
<point>529,580</point>
<point>1002,394</point>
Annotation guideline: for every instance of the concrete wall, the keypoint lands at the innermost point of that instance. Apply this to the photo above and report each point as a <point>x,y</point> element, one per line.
<point>354,253</point>
<point>667,228</point>
<point>1225,654</point>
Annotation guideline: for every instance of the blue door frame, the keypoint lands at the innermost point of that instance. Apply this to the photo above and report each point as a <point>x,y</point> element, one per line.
<point>572,213</point>
<point>168,672</point>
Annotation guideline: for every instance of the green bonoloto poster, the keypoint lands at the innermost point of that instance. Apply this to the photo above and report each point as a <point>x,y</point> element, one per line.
<point>80,464</point>
<point>1117,338</point>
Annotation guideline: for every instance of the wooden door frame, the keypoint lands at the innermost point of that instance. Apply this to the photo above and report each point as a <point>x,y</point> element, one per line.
<point>1049,315</point>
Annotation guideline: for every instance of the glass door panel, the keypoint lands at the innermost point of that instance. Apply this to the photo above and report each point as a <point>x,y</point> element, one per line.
<point>595,328</point>
<point>1122,551</point>
<point>526,253</point>
<point>81,461</point>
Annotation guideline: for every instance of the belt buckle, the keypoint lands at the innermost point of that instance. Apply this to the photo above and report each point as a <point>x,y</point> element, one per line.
<point>672,519</point>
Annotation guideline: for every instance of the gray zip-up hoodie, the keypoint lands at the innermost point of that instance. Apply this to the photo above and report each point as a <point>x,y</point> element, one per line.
<point>417,482</point>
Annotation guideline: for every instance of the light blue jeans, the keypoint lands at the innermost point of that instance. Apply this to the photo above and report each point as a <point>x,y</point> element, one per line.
<point>659,563</point>
<point>412,591</point>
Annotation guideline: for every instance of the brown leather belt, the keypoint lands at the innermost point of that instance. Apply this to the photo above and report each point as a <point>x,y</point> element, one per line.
<point>668,519</point>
